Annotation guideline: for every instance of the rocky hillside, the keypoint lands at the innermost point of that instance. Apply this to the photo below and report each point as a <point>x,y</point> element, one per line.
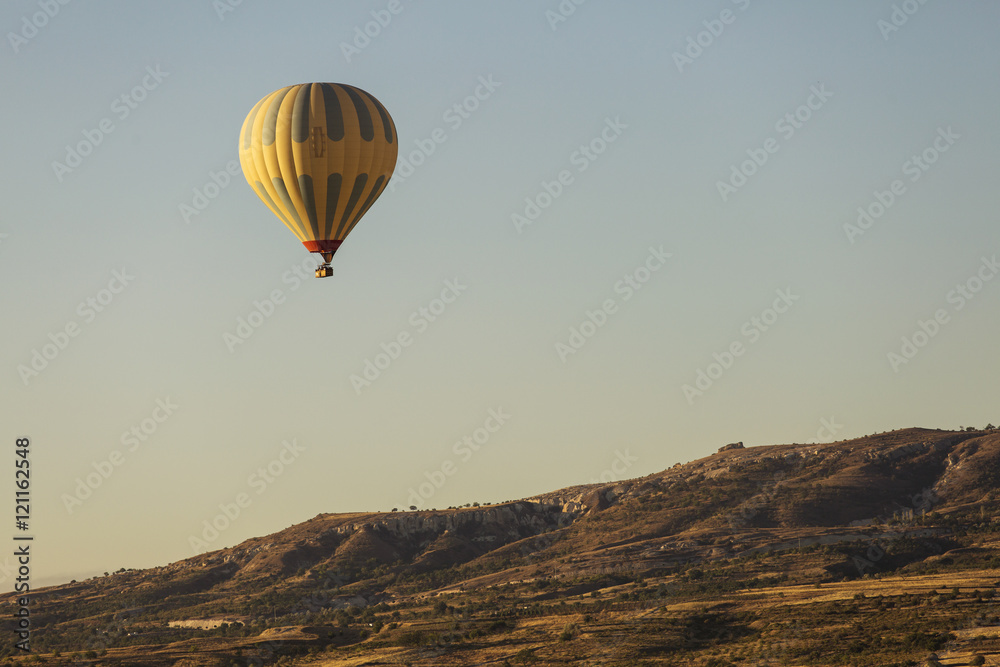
<point>872,506</point>
<point>894,476</point>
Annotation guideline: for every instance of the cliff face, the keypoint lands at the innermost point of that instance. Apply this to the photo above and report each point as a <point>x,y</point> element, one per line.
<point>511,519</point>
<point>331,541</point>
<point>900,475</point>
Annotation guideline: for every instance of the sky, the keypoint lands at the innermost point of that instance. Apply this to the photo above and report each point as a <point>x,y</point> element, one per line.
<point>619,236</point>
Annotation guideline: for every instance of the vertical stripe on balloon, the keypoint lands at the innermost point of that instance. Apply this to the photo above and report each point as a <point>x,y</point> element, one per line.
<point>386,121</point>
<point>333,183</point>
<point>279,186</point>
<point>300,116</point>
<point>306,188</point>
<point>359,185</point>
<point>334,115</point>
<point>271,118</point>
<point>364,116</point>
<point>376,191</point>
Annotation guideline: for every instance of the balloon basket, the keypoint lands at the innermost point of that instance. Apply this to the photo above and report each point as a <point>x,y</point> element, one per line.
<point>324,271</point>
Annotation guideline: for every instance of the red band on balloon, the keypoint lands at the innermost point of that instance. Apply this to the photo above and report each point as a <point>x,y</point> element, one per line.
<point>322,246</point>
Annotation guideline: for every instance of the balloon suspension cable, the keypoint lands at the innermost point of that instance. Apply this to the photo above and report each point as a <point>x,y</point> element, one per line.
<point>324,270</point>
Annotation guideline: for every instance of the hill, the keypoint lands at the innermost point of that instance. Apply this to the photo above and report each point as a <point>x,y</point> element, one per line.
<point>875,551</point>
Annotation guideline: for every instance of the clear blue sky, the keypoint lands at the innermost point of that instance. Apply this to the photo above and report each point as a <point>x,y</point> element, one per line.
<point>709,153</point>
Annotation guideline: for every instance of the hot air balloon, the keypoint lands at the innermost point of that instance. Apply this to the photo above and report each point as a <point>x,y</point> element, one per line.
<point>319,155</point>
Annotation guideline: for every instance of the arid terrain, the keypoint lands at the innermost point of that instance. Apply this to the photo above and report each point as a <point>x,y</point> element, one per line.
<point>884,550</point>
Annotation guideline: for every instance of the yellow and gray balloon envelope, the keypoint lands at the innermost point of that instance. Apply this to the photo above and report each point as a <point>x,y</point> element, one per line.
<point>319,155</point>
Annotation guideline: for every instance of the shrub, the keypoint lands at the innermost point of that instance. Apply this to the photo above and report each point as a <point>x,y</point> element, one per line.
<point>525,656</point>
<point>412,638</point>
